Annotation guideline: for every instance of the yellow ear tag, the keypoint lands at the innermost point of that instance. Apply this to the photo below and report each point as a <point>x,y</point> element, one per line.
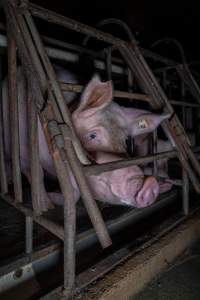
<point>142,124</point>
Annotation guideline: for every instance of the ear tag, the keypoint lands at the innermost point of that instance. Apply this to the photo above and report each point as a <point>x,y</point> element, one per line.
<point>142,124</point>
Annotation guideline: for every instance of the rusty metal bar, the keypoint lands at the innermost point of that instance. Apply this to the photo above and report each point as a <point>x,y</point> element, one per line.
<point>13,98</point>
<point>106,167</point>
<point>34,155</point>
<point>71,87</point>
<point>87,198</point>
<point>185,192</point>
<point>3,177</point>
<point>55,18</point>
<point>69,222</point>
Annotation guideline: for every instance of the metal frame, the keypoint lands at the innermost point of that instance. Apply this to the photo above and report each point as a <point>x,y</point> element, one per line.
<point>59,131</point>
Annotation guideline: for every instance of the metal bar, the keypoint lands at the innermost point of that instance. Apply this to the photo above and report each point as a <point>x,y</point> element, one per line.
<point>147,53</point>
<point>34,155</point>
<point>106,167</point>
<point>52,227</point>
<point>87,198</point>
<point>71,87</point>
<point>3,177</point>
<point>69,223</point>
<point>55,18</point>
<point>29,235</point>
<point>12,90</point>
<point>185,192</point>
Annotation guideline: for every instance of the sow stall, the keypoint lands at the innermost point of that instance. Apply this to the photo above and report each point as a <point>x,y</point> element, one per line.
<point>116,58</point>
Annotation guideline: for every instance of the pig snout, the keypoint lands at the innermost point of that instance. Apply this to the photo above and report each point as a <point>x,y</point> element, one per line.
<point>148,193</point>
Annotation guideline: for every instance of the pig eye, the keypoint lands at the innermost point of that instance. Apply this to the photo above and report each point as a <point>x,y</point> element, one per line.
<point>91,136</point>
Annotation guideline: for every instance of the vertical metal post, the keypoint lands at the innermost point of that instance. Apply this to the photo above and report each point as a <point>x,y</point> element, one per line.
<point>34,153</point>
<point>13,98</point>
<point>29,235</point>
<point>69,222</point>
<point>3,178</point>
<point>185,192</point>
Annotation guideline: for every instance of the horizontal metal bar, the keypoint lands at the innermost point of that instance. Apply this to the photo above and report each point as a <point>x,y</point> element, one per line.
<point>106,167</point>
<point>71,87</point>
<point>55,18</point>
<point>147,53</point>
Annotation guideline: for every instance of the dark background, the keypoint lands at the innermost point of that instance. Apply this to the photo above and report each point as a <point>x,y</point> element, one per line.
<point>149,20</point>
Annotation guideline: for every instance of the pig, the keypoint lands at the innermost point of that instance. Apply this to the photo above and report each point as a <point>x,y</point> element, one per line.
<point>102,127</point>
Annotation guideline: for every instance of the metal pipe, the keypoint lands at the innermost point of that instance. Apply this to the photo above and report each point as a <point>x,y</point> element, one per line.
<point>185,192</point>
<point>68,56</point>
<point>71,87</point>
<point>55,18</point>
<point>14,121</point>
<point>3,177</point>
<point>147,53</point>
<point>106,167</point>
<point>69,223</point>
<point>29,235</point>
<point>36,179</point>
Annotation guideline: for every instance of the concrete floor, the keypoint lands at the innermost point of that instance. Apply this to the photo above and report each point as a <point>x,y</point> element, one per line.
<point>180,282</point>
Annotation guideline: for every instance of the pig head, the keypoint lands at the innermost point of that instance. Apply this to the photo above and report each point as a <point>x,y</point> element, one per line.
<point>103,125</point>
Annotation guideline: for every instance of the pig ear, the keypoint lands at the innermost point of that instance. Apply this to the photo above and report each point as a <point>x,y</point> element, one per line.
<point>147,123</point>
<point>96,95</point>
